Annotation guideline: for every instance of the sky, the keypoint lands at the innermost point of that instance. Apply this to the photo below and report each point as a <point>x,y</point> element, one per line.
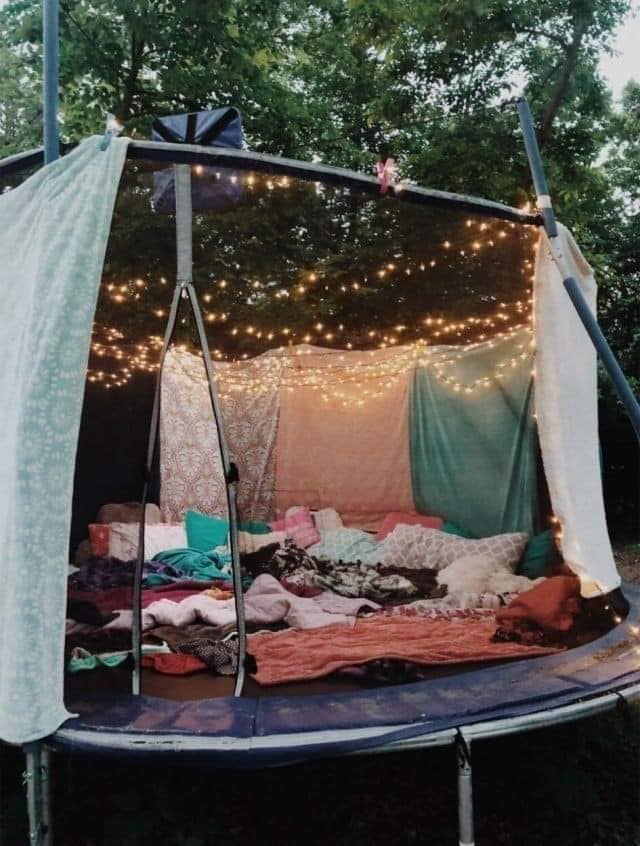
<point>624,65</point>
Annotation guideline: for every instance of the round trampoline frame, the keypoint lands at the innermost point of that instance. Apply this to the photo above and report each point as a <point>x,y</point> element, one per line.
<point>601,685</point>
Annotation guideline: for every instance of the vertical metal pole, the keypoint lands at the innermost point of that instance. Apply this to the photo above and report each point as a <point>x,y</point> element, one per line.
<point>184,242</point>
<point>45,768</point>
<point>465,792</point>
<point>33,782</point>
<point>50,67</point>
<point>587,318</point>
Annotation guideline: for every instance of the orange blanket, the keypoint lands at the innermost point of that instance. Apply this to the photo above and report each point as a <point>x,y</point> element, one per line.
<point>296,655</point>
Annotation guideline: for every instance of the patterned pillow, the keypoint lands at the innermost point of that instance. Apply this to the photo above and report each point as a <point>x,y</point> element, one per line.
<point>415,546</point>
<point>299,526</point>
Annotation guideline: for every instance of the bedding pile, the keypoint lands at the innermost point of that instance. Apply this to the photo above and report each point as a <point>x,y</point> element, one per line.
<point>320,598</point>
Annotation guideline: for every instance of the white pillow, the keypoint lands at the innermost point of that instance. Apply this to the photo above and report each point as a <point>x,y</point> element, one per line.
<point>158,537</point>
<point>419,547</point>
<point>252,543</point>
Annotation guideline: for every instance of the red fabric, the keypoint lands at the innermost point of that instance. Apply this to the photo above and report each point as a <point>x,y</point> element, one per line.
<point>296,655</point>
<point>395,518</point>
<point>99,534</point>
<point>173,664</point>
<point>552,605</point>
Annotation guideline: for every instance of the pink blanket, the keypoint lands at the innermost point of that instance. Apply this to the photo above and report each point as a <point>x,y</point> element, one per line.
<point>333,452</point>
<point>299,655</point>
<point>266,601</point>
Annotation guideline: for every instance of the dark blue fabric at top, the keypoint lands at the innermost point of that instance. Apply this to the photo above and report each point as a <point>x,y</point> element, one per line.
<point>216,188</point>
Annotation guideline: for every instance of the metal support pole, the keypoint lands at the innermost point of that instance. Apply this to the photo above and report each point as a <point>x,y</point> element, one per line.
<point>50,68</point>
<point>33,782</point>
<point>45,769</point>
<point>587,318</point>
<point>465,792</point>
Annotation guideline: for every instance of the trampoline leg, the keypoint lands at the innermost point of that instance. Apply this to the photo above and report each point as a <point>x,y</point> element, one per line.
<point>45,789</point>
<point>33,782</point>
<point>465,793</point>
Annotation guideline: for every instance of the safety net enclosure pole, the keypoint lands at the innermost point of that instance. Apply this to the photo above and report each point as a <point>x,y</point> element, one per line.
<point>50,27</point>
<point>584,311</point>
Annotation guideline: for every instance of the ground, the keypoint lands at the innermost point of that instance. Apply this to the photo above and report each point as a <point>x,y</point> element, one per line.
<point>574,785</point>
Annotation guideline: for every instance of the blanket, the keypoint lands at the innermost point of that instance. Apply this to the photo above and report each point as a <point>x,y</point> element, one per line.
<point>300,655</point>
<point>265,602</point>
<point>299,572</point>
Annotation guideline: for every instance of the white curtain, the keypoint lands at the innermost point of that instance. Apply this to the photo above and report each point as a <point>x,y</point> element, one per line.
<point>53,234</point>
<point>567,412</point>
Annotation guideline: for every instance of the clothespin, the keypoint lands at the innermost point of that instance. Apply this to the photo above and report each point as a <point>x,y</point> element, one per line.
<point>386,172</point>
<point>112,130</point>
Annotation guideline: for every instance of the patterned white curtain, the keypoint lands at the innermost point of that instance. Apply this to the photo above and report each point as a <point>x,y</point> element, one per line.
<point>190,469</point>
<point>53,235</point>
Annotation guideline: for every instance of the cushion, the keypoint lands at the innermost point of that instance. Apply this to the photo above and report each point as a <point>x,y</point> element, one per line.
<point>394,518</point>
<point>99,539</point>
<point>327,520</point>
<point>538,556</point>
<point>254,527</point>
<point>123,539</point>
<point>299,526</point>
<point>415,546</point>
<point>205,533</point>
<point>250,542</point>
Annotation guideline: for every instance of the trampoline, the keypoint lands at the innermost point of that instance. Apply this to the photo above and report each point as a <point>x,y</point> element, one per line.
<point>206,201</point>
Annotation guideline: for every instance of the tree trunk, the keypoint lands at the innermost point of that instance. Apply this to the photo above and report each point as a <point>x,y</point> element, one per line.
<point>562,83</point>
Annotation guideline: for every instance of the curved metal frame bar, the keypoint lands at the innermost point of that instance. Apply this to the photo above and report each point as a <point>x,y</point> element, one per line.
<point>154,151</point>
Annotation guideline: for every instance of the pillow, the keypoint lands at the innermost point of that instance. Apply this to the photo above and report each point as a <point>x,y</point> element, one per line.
<point>123,539</point>
<point>327,520</point>
<point>395,518</point>
<point>99,539</point>
<point>538,556</point>
<point>414,546</point>
<point>454,529</point>
<point>205,533</point>
<point>299,526</point>
<point>254,527</point>
<point>253,542</point>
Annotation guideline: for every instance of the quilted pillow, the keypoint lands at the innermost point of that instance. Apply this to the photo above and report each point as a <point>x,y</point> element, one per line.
<point>298,525</point>
<point>158,537</point>
<point>414,546</point>
<point>396,518</point>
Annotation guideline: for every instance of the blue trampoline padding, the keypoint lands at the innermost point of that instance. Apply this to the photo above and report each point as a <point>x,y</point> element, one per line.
<point>510,690</point>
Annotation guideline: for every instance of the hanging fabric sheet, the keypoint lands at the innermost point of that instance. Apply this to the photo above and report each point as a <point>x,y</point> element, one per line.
<point>567,411</point>
<point>473,442</point>
<point>53,235</point>
<point>346,445</point>
<point>190,467</point>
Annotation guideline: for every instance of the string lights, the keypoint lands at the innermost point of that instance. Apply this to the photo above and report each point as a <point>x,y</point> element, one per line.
<point>418,341</point>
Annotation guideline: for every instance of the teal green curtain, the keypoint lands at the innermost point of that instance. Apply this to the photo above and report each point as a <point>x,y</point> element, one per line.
<point>473,443</point>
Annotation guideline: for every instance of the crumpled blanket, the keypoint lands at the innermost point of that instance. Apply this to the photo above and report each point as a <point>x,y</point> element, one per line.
<point>543,614</point>
<point>265,602</point>
<point>97,574</point>
<point>299,655</point>
<point>381,583</point>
